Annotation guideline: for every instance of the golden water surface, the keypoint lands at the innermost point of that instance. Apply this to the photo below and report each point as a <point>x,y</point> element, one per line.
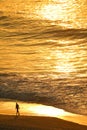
<point>28,44</point>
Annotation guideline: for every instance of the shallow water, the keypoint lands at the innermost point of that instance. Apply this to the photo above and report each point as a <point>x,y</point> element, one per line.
<point>43,52</point>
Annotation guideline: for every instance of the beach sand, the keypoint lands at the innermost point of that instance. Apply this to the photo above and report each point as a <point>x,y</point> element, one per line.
<point>37,117</point>
<point>11,122</point>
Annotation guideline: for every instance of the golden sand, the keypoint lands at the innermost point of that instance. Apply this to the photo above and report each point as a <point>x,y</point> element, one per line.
<point>8,122</point>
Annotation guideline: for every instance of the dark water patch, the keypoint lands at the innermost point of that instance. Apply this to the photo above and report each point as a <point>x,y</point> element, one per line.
<point>8,75</point>
<point>4,74</point>
<point>6,21</point>
<point>20,44</point>
<point>7,25</point>
<point>32,44</point>
<point>20,36</point>
<point>3,17</point>
<point>70,33</point>
<point>1,12</point>
<point>1,69</point>
<point>41,44</point>
<point>28,53</point>
<point>73,33</point>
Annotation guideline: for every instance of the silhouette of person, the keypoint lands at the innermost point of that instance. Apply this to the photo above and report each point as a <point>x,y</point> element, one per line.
<point>17,109</point>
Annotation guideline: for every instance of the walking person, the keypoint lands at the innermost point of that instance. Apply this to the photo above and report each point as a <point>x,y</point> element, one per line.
<point>17,109</point>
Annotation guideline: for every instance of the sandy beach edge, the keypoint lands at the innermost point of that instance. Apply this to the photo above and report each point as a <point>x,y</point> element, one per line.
<point>11,122</point>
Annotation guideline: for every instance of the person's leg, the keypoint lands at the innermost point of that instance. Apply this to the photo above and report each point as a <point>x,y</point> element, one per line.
<point>18,113</point>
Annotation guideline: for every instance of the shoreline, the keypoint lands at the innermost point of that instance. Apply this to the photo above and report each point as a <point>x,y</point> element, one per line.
<point>33,109</point>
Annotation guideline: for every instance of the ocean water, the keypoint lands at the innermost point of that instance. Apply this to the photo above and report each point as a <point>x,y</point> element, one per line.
<point>43,52</point>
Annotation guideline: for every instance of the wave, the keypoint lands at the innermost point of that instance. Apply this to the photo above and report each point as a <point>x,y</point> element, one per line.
<point>29,30</point>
